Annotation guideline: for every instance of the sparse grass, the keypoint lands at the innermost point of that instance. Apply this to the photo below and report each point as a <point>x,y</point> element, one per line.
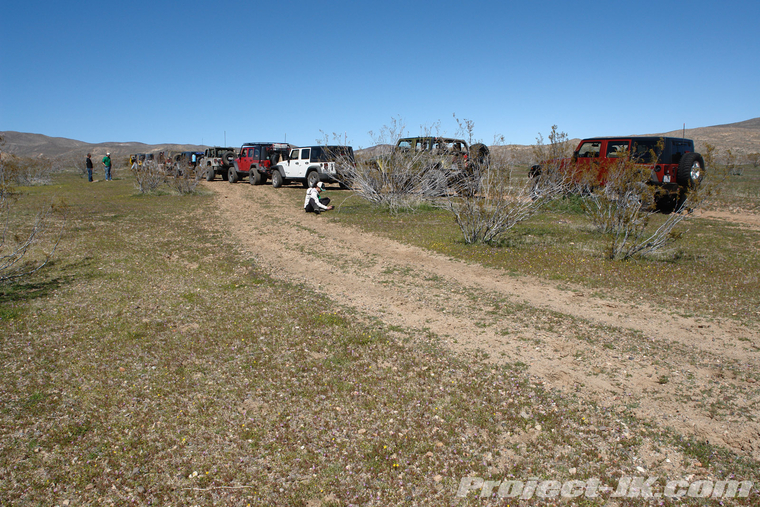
<point>154,363</point>
<point>741,192</point>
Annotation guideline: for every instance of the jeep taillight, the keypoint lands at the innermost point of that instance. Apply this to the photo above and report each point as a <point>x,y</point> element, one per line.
<point>325,166</point>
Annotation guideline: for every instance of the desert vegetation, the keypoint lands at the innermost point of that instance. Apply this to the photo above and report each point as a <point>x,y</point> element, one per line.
<point>127,380</point>
<point>153,174</point>
<point>490,203</point>
<point>29,238</point>
<point>157,360</point>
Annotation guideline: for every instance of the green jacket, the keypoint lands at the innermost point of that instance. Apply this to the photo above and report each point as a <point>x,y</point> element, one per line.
<point>107,161</point>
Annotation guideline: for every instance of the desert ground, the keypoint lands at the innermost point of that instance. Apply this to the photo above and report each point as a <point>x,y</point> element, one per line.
<point>471,308</point>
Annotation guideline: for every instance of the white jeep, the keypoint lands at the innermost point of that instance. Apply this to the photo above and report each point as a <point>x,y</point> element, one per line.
<point>311,164</point>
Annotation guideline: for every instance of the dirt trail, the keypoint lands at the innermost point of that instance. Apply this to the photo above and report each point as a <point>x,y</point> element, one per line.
<point>745,219</point>
<point>696,375</point>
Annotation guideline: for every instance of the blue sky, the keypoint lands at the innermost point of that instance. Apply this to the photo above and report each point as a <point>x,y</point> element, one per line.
<point>187,72</point>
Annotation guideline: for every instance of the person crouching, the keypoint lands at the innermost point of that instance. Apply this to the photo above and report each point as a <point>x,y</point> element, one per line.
<point>314,203</point>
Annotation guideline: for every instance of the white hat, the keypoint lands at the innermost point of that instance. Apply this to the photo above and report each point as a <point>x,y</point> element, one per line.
<point>108,154</point>
<point>320,185</point>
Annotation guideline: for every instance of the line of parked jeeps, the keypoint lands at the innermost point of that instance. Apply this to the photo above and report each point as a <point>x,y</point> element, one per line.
<point>281,163</point>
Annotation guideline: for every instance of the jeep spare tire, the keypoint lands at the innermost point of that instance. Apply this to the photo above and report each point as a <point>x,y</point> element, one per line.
<point>479,154</point>
<point>691,170</point>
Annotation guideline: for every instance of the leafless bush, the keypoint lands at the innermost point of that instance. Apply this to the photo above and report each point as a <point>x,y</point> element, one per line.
<point>559,146</point>
<point>20,238</point>
<point>732,165</point>
<point>500,203</point>
<point>396,179</point>
<point>549,174</point>
<point>148,176</point>
<point>185,181</point>
<point>23,171</point>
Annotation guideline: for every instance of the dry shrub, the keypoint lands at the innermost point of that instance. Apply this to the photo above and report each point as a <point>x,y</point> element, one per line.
<point>185,181</point>
<point>152,174</point>
<point>26,246</point>
<point>148,176</point>
<point>396,179</point>
<point>24,171</point>
<point>500,202</point>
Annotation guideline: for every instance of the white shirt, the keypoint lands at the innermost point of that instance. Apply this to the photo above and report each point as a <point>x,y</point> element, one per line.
<point>313,193</point>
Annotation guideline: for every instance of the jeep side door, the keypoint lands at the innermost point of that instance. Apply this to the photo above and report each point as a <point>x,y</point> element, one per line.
<point>245,159</point>
<point>291,164</point>
<point>585,162</point>
<point>305,161</point>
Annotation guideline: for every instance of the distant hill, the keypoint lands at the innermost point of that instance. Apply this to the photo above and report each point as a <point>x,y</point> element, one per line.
<point>742,138</point>
<point>38,145</point>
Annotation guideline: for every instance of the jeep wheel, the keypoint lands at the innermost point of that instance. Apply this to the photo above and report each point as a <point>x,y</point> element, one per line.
<point>691,170</point>
<point>232,176</point>
<point>276,179</point>
<point>311,179</point>
<point>210,174</point>
<point>255,177</point>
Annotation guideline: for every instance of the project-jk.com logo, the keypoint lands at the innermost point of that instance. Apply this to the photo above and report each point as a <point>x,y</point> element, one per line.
<point>627,487</point>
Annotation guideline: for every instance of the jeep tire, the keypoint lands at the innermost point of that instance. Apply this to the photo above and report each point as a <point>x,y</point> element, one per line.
<point>691,170</point>
<point>232,175</point>
<point>210,173</point>
<point>312,178</point>
<point>255,177</point>
<point>277,180</point>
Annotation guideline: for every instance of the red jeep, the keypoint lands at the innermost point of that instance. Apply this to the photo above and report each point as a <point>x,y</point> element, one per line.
<point>672,163</point>
<point>256,160</point>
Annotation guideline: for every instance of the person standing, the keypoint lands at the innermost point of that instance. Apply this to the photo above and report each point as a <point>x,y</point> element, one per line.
<point>88,164</point>
<point>107,165</point>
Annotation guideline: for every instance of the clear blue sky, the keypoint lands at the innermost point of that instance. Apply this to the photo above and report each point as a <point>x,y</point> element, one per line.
<point>187,72</point>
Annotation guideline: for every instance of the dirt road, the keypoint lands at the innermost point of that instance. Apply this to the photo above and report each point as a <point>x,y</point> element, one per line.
<point>695,374</point>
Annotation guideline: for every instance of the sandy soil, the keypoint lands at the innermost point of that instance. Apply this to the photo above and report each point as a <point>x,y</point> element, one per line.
<point>694,373</point>
<point>744,219</point>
